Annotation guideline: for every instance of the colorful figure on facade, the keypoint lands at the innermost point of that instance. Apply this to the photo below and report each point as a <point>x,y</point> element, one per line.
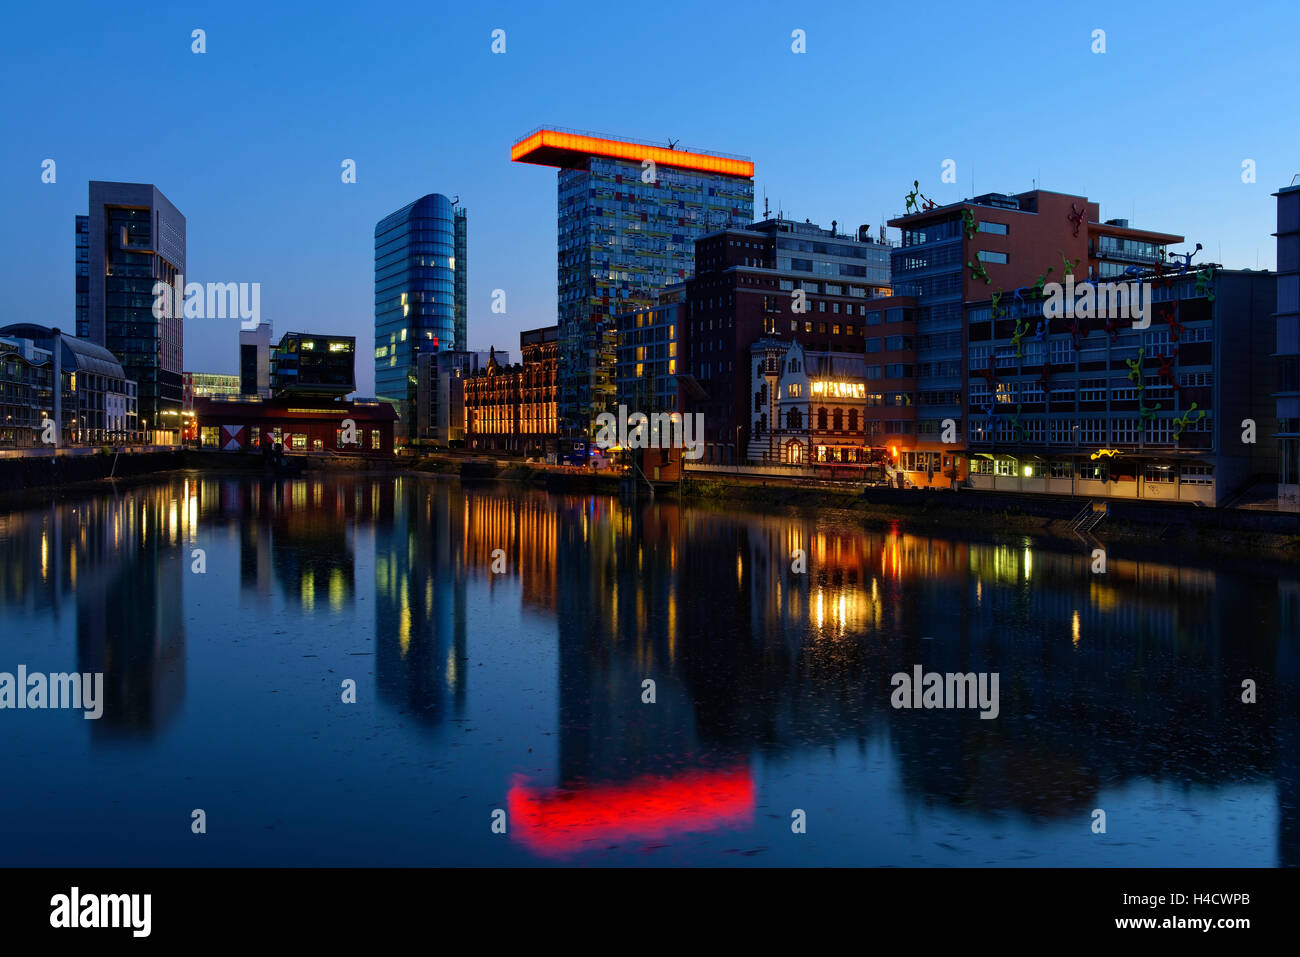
<point>1167,368</point>
<point>977,270</point>
<point>1146,413</point>
<point>1135,368</point>
<point>1022,326</point>
<point>1169,316</point>
<point>1076,330</point>
<point>1075,216</point>
<point>998,311</point>
<point>1186,419</point>
<point>1043,377</point>
<point>1018,433</point>
<point>968,223</point>
<point>1069,266</point>
<point>1020,299</point>
<point>910,200</point>
<point>1041,282</point>
<point>1187,259</point>
<point>1205,283</point>
<point>991,422</point>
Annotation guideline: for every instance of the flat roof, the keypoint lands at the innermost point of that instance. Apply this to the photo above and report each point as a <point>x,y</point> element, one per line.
<point>567,149</point>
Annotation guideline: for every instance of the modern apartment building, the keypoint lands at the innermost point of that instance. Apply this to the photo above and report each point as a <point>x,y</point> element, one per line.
<point>132,237</point>
<point>646,369</point>
<point>629,214</point>
<point>420,297</point>
<point>779,279</point>
<point>994,389</point>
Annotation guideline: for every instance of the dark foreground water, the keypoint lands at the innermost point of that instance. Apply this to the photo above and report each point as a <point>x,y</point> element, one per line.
<point>522,692</point>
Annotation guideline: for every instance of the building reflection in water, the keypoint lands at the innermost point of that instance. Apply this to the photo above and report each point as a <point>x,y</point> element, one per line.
<point>1101,676</point>
<point>420,610</point>
<point>119,558</point>
<point>768,637</point>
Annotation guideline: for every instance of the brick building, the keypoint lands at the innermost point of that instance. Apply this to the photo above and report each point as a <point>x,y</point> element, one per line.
<point>513,407</point>
<point>778,278</point>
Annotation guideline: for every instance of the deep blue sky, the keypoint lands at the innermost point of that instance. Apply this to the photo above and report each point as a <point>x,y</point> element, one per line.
<point>247,139</point>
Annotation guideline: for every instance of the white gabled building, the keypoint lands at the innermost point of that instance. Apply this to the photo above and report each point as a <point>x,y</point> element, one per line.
<point>809,407</point>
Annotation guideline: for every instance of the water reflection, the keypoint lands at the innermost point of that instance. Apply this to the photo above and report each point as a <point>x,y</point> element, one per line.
<point>770,640</point>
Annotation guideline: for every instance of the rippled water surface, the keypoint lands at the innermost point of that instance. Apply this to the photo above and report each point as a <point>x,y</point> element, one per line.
<point>522,691</point>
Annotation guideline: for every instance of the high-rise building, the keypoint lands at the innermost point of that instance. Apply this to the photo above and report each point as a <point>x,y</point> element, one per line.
<point>461,294</point>
<point>1288,346</point>
<point>420,296</point>
<point>255,360</point>
<point>131,238</point>
<point>628,217</point>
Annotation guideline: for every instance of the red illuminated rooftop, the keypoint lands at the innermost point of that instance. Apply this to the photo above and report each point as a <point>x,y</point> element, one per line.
<point>568,149</point>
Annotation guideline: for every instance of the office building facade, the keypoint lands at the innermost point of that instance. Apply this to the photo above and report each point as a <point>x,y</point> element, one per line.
<point>131,238</point>
<point>779,279</point>
<point>309,364</point>
<point>440,414</point>
<point>628,217</point>
<point>419,252</point>
<point>993,389</point>
<point>646,369</point>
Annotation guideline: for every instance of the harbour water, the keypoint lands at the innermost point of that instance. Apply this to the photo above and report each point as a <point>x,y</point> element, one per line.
<point>501,641</point>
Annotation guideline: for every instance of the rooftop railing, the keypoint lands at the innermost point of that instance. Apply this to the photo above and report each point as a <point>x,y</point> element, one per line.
<point>628,139</point>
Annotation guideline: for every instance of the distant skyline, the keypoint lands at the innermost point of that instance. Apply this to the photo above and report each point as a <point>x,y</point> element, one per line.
<point>247,139</point>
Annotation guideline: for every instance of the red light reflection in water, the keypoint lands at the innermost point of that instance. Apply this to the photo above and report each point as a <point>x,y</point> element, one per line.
<point>558,821</point>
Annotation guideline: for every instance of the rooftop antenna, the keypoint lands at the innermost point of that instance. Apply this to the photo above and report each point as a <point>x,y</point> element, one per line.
<point>456,201</point>
<point>767,210</point>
